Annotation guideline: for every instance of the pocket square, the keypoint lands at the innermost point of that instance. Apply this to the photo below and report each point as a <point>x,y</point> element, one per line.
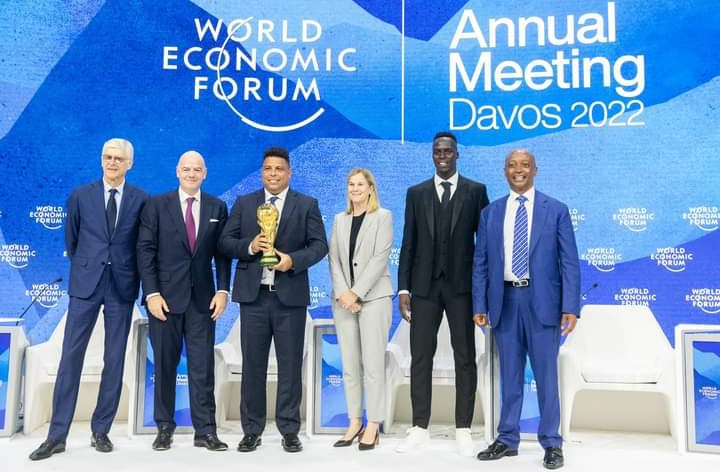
<point>214,220</point>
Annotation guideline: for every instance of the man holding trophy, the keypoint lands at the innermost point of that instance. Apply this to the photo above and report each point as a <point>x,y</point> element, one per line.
<point>276,234</point>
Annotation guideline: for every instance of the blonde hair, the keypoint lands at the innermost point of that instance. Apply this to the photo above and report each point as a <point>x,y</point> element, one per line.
<point>373,201</point>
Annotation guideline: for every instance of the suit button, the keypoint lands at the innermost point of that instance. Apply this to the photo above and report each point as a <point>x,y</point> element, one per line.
<point>355,264</point>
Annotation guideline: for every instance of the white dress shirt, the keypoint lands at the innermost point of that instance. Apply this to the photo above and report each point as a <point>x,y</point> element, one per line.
<point>509,226</point>
<point>439,188</point>
<point>268,275</point>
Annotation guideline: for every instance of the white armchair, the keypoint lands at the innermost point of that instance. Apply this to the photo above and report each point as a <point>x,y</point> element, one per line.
<point>41,368</point>
<point>228,367</point>
<point>397,363</point>
<point>616,348</point>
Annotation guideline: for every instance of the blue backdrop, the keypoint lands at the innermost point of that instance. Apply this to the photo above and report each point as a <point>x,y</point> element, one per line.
<point>619,101</point>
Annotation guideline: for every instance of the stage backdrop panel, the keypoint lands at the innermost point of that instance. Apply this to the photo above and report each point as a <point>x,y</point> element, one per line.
<point>618,100</point>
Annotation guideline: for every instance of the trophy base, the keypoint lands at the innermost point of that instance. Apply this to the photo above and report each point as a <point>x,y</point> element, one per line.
<point>269,260</point>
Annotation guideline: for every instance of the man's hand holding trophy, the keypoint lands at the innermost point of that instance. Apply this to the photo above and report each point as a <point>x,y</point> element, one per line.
<point>268,218</point>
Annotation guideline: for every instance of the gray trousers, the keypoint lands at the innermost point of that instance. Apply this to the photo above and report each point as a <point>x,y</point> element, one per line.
<point>363,339</point>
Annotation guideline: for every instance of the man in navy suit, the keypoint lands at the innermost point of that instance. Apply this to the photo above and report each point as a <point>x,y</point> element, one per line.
<point>100,235</point>
<point>526,285</point>
<point>273,300</point>
<point>177,244</point>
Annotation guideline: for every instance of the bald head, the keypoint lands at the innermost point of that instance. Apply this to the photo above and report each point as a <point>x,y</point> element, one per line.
<point>191,156</point>
<point>191,171</point>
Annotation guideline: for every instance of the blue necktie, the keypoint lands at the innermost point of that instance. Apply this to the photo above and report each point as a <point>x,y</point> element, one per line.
<point>111,211</point>
<point>521,247</point>
<point>273,199</point>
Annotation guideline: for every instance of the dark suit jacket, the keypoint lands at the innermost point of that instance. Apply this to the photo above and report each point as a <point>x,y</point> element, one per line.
<point>90,247</point>
<point>301,234</point>
<point>166,264</point>
<point>554,265</point>
<point>416,254</point>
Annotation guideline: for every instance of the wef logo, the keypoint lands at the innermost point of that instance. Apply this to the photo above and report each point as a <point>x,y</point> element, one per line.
<point>272,67</point>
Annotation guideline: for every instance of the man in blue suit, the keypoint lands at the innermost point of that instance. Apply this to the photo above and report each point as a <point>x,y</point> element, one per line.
<point>526,285</point>
<point>100,235</point>
<point>273,300</point>
<point>177,245</point>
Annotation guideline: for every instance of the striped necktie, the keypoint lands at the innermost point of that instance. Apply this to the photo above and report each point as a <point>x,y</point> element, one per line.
<point>521,248</point>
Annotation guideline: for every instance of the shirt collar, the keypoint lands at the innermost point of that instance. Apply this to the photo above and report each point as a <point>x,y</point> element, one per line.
<point>281,196</point>
<point>184,195</point>
<point>453,180</point>
<point>530,195</point>
<point>119,188</point>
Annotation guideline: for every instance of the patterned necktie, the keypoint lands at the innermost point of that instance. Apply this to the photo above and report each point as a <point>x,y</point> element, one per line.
<point>273,199</point>
<point>446,193</point>
<point>111,212</point>
<point>521,247</point>
<point>190,224</point>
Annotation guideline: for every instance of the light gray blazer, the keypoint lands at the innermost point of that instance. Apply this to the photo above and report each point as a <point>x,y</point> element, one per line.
<point>374,241</point>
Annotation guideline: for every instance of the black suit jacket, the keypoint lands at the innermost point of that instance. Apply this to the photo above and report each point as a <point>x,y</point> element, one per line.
<point>90,247</point>
<point>416,254</point>
<point>164,258</point>
<point>301,234</point>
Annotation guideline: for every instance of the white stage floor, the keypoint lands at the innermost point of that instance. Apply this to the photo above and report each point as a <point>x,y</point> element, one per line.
<point>588,451</point>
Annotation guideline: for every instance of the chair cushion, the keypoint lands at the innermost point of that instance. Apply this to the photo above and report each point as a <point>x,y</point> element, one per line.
<point>93,365</point>
<point>236,368</point>
<point>621,372</point>
<point>442,369</point>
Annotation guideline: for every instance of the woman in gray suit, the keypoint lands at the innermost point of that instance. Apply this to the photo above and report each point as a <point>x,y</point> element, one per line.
<point>359,248</point>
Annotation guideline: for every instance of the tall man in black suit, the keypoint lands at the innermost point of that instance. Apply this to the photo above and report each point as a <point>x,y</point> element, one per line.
<point>100,234</point>
<point>435,275</point>
<point>273,301</point>
<point>176,246</point>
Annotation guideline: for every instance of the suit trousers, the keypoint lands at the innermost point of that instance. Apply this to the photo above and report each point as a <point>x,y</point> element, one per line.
<point>262,321</point>
<point>197,329</point>
<point>363,338</point>
<point>519,334</point>
<point>427,313</point>
<point>81,318</point>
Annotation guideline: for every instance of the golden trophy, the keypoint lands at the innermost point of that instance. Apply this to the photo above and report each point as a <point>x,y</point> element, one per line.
<point>268,218</point>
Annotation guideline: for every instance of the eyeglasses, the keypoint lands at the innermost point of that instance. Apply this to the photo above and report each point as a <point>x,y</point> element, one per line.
<point>116,159</point>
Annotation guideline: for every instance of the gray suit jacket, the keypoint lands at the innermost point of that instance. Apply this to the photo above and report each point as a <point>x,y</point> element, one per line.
<point>370,261</point>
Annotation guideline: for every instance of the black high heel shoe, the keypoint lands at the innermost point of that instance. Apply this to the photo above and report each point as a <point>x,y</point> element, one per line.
<point>366,447</point>
<point>348,442</point>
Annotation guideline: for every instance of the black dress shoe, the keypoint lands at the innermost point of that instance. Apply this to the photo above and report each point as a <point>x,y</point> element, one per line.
<point>291,443</point>
<point>101,442</point>
<point>210,442</point>
<point>553,458</point>
<point>47,449</point>
<point>348,442</point>
<point>495,451</point>
<point>163,440</point>
<point>366,447</point>
<point>249,443</point>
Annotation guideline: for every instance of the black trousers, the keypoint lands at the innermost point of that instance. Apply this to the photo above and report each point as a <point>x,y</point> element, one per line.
<point>197,328</point>
<point>260,322</point>
<point>427,314</point>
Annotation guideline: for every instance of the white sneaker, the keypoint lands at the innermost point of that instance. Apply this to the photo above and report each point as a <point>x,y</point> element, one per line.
<point>464,443</point>
<point>416,437</point>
